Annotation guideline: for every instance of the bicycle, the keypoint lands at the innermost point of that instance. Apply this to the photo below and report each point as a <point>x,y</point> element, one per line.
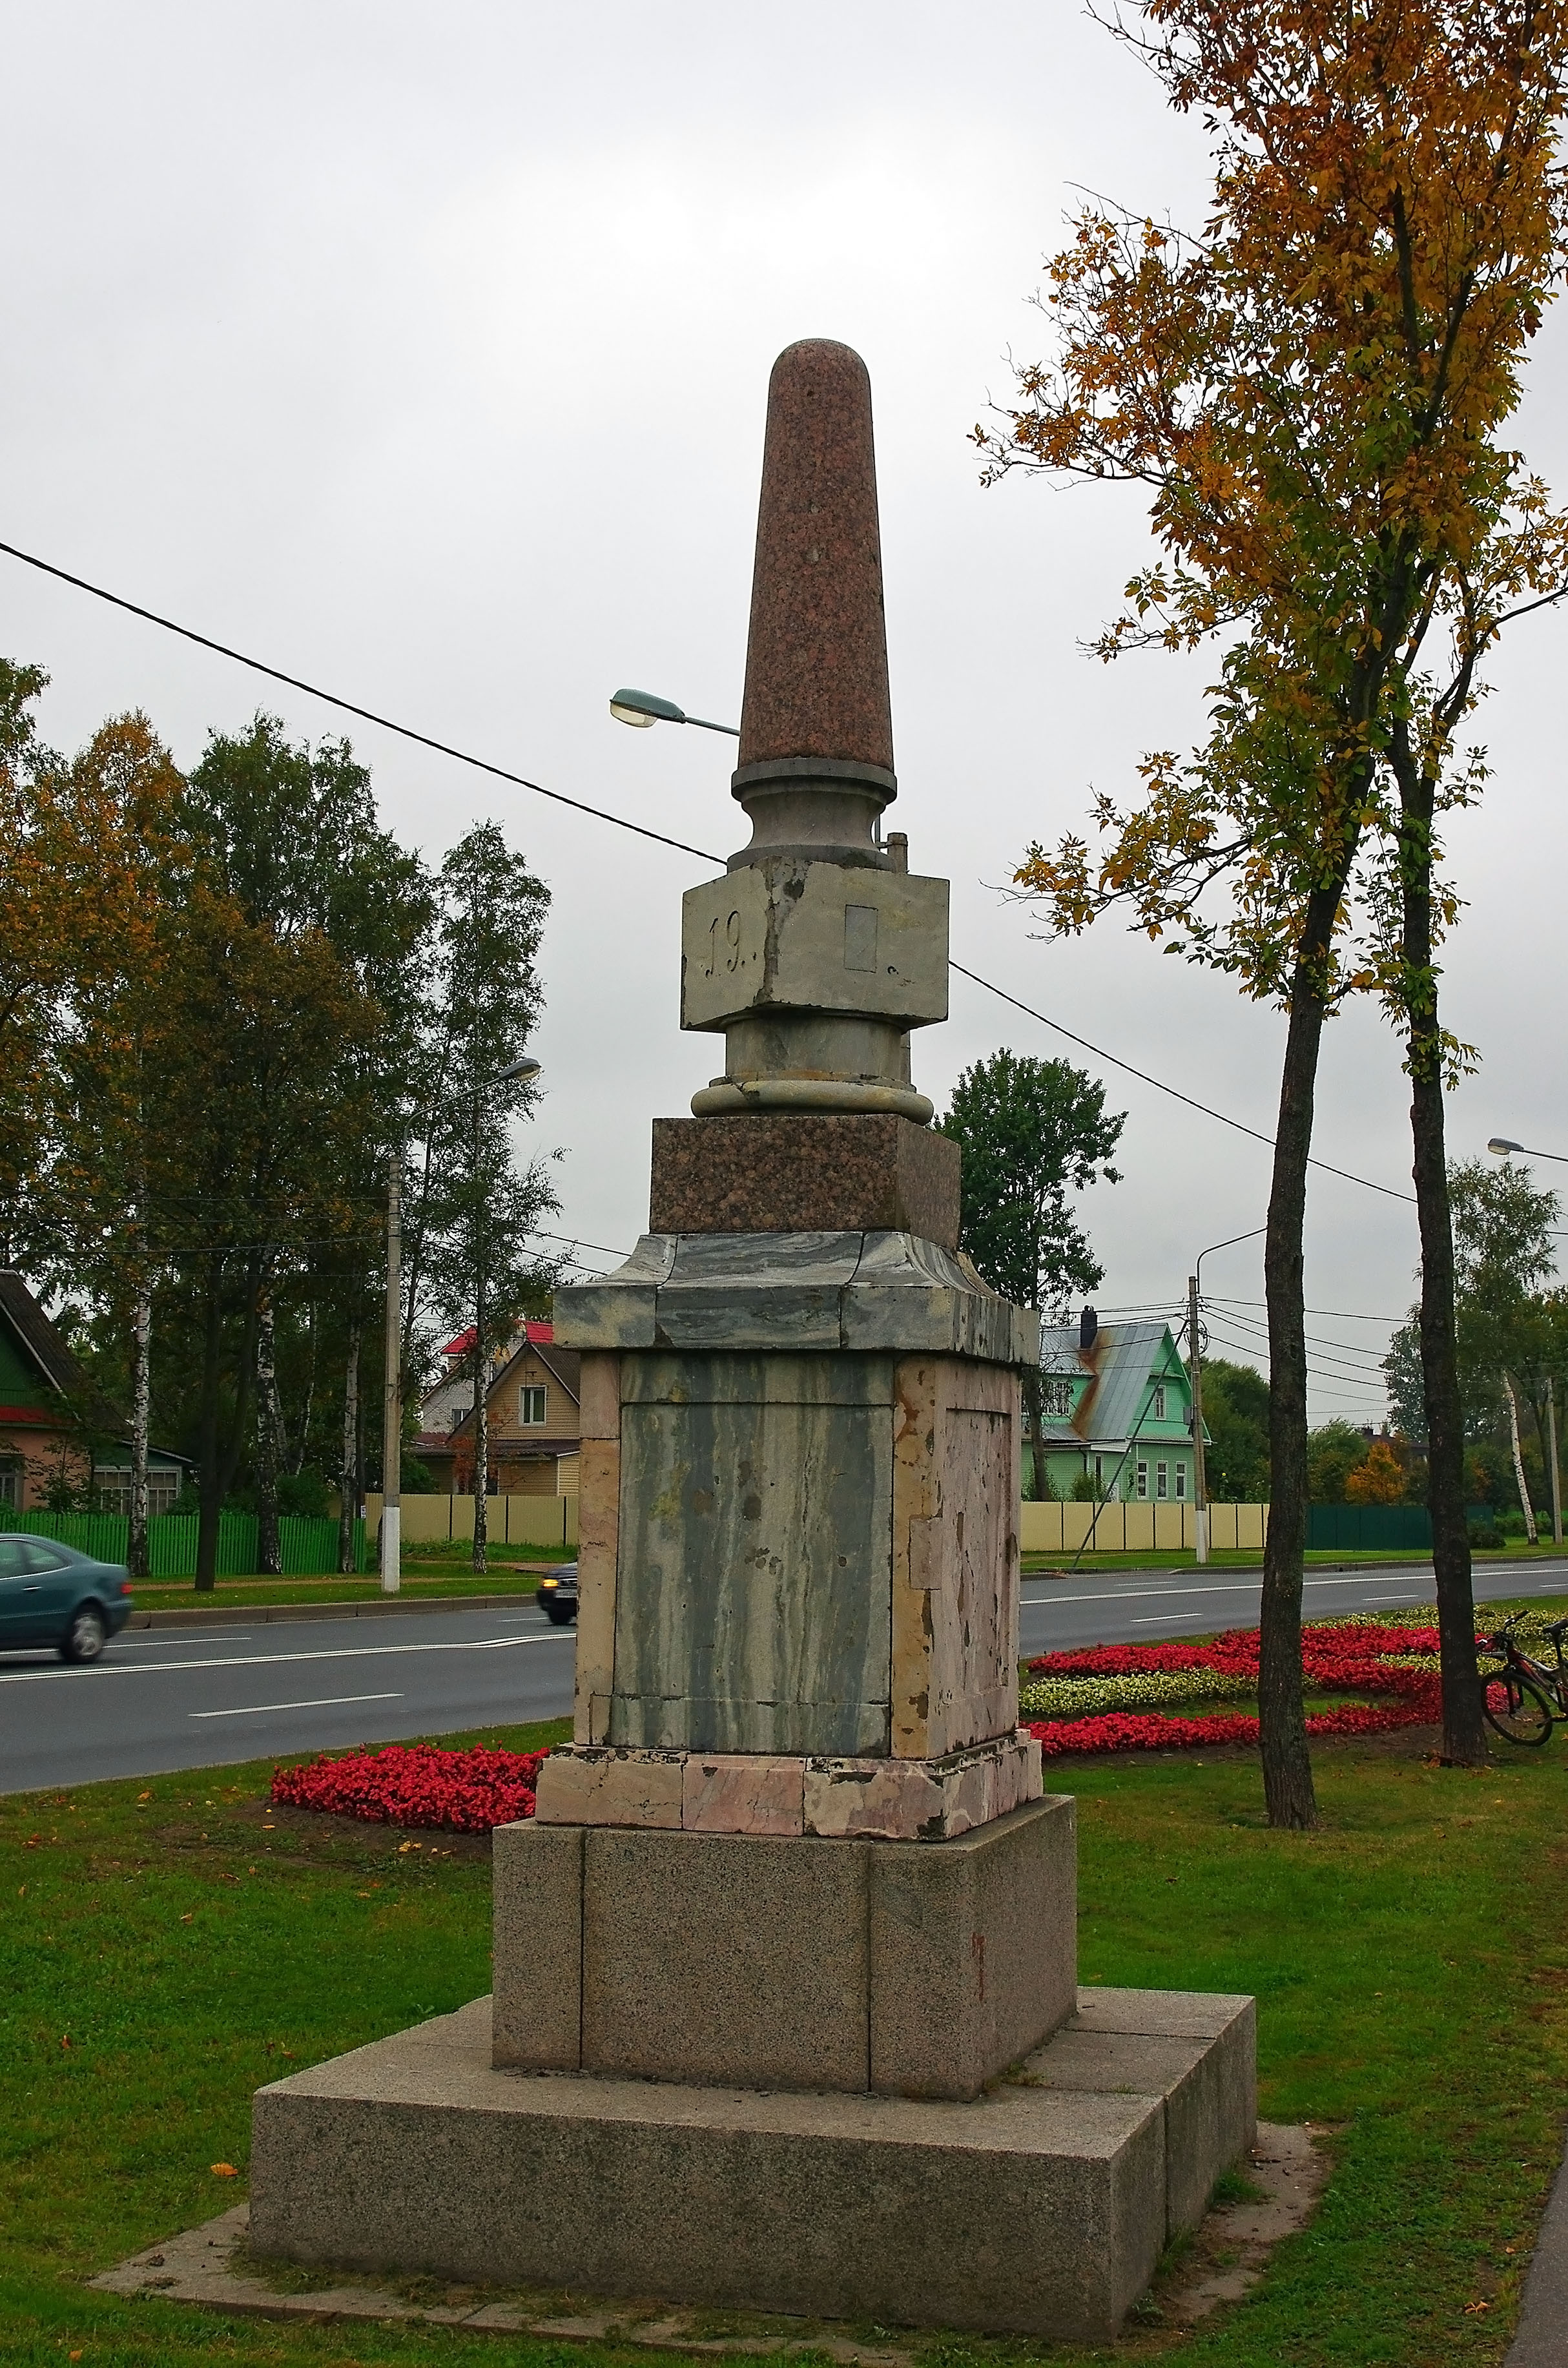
<point>1520,1700</point>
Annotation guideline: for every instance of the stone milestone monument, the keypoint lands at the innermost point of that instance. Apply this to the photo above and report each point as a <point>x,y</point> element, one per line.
<point>786,2008</point>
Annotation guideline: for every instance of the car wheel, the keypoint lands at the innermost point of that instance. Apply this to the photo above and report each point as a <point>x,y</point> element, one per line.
<point>558,1615</point>
<point>87,1636</point>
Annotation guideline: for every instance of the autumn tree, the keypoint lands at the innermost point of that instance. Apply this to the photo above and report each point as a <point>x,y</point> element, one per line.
<point>297,983</point>
<point>1031,1134</point>
<point>474,1205</point>
<point>1313,388</point>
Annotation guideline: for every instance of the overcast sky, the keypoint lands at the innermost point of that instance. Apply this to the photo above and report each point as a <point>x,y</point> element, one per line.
<point>423,352</point>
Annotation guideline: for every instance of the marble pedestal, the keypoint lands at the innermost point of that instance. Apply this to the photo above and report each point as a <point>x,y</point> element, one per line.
<point>785,1965</point>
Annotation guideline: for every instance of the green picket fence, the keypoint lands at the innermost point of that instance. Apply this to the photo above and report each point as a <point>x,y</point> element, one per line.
<point>308,1548</point>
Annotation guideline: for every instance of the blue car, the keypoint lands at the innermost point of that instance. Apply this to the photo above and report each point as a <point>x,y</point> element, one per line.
<point>50,1594</point>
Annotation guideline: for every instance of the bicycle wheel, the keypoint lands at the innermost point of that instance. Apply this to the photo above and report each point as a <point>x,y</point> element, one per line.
<point>1516,1710</point>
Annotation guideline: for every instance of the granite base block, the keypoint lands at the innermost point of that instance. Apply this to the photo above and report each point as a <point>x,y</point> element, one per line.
<point>916,1969</point>
<point>1027,2212</point>
<point>786,1173</point>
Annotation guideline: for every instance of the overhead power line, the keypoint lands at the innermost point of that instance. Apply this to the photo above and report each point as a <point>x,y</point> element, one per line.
<point>620,822</point>
<point>349,706</point>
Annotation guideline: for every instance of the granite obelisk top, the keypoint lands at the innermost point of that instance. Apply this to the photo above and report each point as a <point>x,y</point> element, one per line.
<point>817,654</point>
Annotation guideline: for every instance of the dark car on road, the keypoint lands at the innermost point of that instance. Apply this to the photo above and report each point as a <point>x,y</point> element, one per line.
<point>50,1594</point>
<point>558,1594</point>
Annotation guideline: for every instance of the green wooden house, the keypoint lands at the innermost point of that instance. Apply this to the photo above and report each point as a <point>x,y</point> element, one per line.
<point>1117,1411</point>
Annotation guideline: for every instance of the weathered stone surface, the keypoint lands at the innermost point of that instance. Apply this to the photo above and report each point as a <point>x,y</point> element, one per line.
<point>745,1793</point>
<point>1027,2212</point>
<point>921,1800</point>
<point>816,653</point>
<point>973,1950</point>
<point>725,1957</point>
<point>789,934</point>
<point>873,1291</point>
<point>742,1794</point>
<point>755,1519</point>
<point>765,1173</point>
<point>598,1536</point>
<point>591,1786</point>
<point>538,1927</point>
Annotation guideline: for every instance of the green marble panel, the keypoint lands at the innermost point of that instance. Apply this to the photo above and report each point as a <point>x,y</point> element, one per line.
<point>753,1593</point>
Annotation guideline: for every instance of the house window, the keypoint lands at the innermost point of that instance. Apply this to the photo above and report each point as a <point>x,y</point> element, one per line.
<point>530,1405</point>
<point>111,1485</point>
<point>1142,1480</point>
<point>1159,1401</point>
<point>1058,1398</point>
<point>10,1484</point>
<point>1181,1481</point>
<point>1162,1479</point>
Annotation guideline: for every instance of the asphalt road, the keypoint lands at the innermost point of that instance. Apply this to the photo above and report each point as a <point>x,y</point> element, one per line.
<point>166,1698</point>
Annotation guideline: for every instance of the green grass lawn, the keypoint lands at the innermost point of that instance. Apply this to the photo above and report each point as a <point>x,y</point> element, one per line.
<point>508,1574</point>
<point>1250,1558</point>
<point>166,1947</point>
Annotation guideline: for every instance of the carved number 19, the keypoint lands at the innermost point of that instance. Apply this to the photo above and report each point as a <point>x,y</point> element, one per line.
<point>731,950</point>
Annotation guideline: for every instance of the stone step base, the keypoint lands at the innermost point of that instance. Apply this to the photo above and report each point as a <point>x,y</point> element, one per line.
<point>1041,2209</point>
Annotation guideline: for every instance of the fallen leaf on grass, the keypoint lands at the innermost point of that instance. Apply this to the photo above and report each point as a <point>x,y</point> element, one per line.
<point>224,2170</point>
<point>190,1917</point>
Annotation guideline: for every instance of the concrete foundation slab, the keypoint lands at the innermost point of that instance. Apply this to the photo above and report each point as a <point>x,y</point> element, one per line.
<point>1036,2210</point>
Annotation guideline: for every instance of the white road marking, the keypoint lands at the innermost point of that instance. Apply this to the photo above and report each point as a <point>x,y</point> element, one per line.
<point>265,1660</point>
<point>168,1643</point>
<point>321,1702</point>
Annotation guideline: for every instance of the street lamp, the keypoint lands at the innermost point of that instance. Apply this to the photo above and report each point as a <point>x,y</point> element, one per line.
<point>644,708</point>
<point>1195,1367</point>
<point>391,1398</point>
<point>1501,1145</point>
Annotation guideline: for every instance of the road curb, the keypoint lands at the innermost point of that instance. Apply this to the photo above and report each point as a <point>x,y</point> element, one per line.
<point>237,1615</point>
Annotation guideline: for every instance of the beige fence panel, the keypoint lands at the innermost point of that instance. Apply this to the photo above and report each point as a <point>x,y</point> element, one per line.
<point>512,1520</point>
<point>1134,1528</point>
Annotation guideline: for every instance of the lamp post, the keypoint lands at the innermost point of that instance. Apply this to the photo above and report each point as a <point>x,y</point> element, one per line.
<point>391,1399</point>
<point>1195,1367</point>
<point>1501,1146</point>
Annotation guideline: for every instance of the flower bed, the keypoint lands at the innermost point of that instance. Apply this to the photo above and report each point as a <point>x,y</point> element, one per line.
<point>415,1784</point>
<point>1091,1700</point>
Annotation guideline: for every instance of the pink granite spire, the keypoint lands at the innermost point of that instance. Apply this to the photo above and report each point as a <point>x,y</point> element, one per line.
<point>817,657</point>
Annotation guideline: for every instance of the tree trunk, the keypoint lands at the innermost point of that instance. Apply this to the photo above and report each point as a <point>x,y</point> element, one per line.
<point>1464,1736</point>
<point>1527,1508</point>
<point>140,1419</point>
<point>210,1480</point>
<point>1287,1763</point>
<point>481,1446</point>
<point>1034,1416</point>
<point>268,1440</point>
<point>348,1478</point>
<point>220,1460</point>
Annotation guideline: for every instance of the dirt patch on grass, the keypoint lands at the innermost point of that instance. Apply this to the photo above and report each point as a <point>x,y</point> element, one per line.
<point>321,1827</point>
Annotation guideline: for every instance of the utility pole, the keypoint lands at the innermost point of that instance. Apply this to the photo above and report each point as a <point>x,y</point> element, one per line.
<point>1556,1475</point>
<point>1200,1477</point>
<point>391,1434</point>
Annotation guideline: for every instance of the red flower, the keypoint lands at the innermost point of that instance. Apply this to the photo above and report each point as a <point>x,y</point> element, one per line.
<point>415,1784</point>
<point>1334,1659</point>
